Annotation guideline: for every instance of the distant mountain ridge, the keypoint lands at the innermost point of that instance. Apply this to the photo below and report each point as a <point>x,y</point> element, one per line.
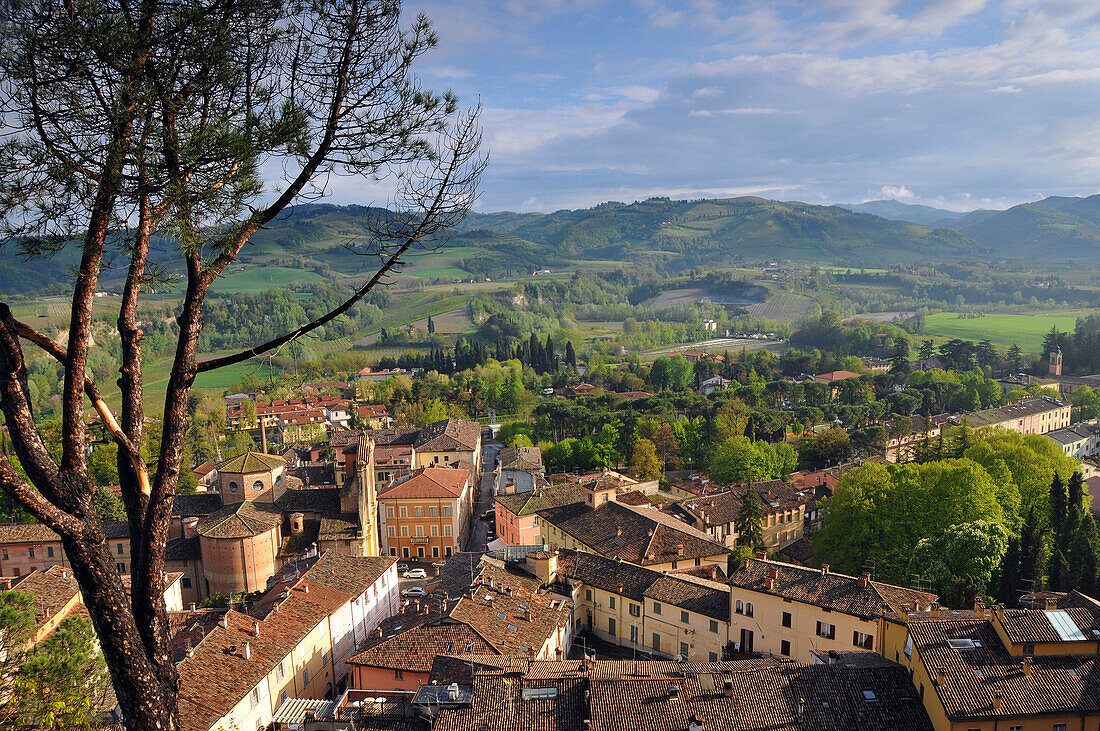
<point>897,211</point>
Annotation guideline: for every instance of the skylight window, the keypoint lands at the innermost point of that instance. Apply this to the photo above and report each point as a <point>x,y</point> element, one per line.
<point>869,695</point>
<point>531,694</point>
<point>962,643</point>
<point>1064,625</point>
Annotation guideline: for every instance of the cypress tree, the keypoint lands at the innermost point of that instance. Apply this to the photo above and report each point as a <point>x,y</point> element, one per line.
<point>1076,491</point>
<point>750,517</point>
<point>1032,557</point>
<point>1083,556</point>
<point>431,325</point>
<point>1010,574</point>
<point>1061,578</point>
<point>1059,504</point>
<point>570,354</point>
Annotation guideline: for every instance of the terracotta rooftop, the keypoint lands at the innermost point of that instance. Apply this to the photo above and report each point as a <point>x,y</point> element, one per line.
<point>52,589</point>
<point>449,435</point>
<point>251,462</point>
<point>639,535</point>
<point>553,496</point>
<point>977,668</point>
<point>832,591</point>
<point>428,482</point>
<point>241,520</point>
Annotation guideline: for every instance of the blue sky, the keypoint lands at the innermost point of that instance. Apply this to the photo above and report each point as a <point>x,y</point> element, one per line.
<point>954,103</point>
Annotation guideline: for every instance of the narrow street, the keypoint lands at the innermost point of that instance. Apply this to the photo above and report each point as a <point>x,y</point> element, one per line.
<point>479,529</point>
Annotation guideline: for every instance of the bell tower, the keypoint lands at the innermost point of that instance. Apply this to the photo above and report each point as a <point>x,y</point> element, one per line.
<point>1056,362</point>
<point>367,497</point>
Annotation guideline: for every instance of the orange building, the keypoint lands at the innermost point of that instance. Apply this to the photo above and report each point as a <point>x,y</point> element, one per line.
<point>426,514</point>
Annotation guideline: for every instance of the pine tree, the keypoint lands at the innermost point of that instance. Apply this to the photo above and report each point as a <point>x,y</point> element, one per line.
<point>1013,357</point>
<point>1010,574</point>
<point>927,349</point>
<point>899,361</point>
<point>750,518</point>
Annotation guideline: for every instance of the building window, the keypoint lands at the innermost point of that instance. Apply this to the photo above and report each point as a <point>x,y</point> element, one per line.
<point>119,548</point>
<point>435,531</point>
<point>404,512</point>
<point>611,626</point>
<point>786,619</point>
<point>5,554</point>
<point>713,657</point>
<point>419,531</point>
<point>30,553</point>
<point>398,674</point>
<point>684,651</point>
<point>1029,649</point>
<point>431,512</point>
<point>446,511</point>
<point>635,610</point>
<point>418,512</point>
<point>447,530</point>
<point>392,530</point>
<point>739,607</point>
<point>656,642</point>
<point>748,609</point>
<point>121,567</point>
<point>714,626</point>
<point>859,639</point>
<point>826,630</point>
<point>232,486</point>
<point>404,531</point>
<point>656,608</point>
<point>588,595</point>
<point>49,551</point>
<point>611,602</point>
<point>634,634</point>
<point>257,486</point>
<point>305,676</point>
<point>389,511</point>
<point>685,617</point>
<point>1059,727</point>
<point>785,648</point>
<point>185,582</point>
<point>1015,728</point>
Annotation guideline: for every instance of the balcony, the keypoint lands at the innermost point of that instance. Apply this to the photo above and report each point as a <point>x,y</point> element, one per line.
<point>418,539</point>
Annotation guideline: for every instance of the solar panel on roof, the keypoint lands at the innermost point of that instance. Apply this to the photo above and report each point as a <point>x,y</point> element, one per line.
<point>1064,625</point>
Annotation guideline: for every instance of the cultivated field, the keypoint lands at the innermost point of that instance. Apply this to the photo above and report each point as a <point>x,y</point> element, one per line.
<point>785,307</point>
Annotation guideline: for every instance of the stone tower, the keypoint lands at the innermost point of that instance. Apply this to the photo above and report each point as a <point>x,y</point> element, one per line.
<point>367,498</point>
<point>1056,362</point>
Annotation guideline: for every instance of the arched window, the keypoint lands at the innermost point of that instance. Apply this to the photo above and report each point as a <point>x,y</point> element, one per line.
<point>232,486</point>
<point>740,607</point>
<point>257,485</point>
<point>279,481</point>
<point>748,609</point>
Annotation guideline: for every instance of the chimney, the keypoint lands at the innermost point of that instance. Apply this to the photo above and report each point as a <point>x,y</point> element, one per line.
<point>940,676</point>
<point>998,701</point>
<point>773,572</point>
<point>694,724</point>
<point>761,555</point>
<point>679,549</point>
<point>1029,666</point>
<point>190,526</point>
<point>619,532</point>
<point>297,523</point>
<point>247,651</point>
<point>864,579</point>
<point>824,569</point>
<point>255,628</point>
<point>190,651</point>
<point>191,607</point>
<point>769,583</point>
<point>745,563</point>
<point>380,633</point>
<point>619,586</point>
<point>934,611</point>
<point>305,588</point>
<point>673,691</point>
<point>714,573</point>
<point>224,621</point>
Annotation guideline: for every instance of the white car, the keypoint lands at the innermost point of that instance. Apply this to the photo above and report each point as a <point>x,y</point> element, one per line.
<point>416,574</point>
<point>415,592</point>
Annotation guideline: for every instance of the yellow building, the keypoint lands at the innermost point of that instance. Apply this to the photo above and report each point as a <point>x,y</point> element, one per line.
<point>660,614</point>
<point>426,514</point>
<point>794,611</point>
<point>1002,670</point>
<point>635,534</point>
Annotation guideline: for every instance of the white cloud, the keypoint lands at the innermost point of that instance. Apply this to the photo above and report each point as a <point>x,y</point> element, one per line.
<point>896,192</point>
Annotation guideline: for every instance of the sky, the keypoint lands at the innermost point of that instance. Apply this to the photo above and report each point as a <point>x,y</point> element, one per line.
<point>959,104</point>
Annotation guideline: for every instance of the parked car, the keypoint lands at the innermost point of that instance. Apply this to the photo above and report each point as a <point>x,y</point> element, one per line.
<point>415,592</point>
<point>416,574</point>
<point>488,514</point>
<point>402,567</point>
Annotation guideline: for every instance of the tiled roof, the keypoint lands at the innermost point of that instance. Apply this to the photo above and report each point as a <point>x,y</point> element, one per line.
<point>297,544</point>
<point>640,535</point>
<point>800,551</point>
<point>1023,408</point>
<point>427,482</point>
<point>1058,684</point>
<point>240,520</point>
<point>1032,627</point>
<point>342,527</point>
<point>200,503</point>
<point>183,549</point>
<point>52,589</point>
<point>835,592</point>
<point>552,496</point>
<point>664,696</point>
<point>320,500</point>
<point>708,598</point>
<point>26,533</point>
<point>836,376</point>
<point>449,435</point>
<point>410,642</point>
<point>251,462</point>
<point>521,458</point>
<point>721,508</point>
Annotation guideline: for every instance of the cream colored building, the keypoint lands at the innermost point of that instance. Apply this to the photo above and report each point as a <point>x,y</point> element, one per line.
<point>794,611</point>
<point>652,612</point>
